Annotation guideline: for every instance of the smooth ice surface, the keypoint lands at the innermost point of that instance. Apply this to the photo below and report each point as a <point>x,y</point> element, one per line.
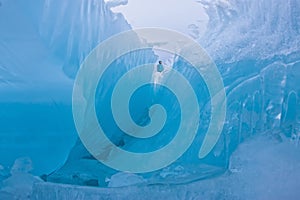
<point>42,44</point>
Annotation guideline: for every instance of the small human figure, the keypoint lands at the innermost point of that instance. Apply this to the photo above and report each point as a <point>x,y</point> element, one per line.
<point>160,66</point>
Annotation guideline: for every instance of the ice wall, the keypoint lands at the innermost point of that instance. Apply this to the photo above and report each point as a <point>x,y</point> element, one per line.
<point>256,48</point>
<point>42,44</point>
<point>255,45</point>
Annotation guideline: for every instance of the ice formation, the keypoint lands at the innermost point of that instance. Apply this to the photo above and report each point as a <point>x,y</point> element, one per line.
<point>256,46</point>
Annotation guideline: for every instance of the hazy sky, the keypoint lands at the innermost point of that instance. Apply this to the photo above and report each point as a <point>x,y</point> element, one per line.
<point>172,14</point>
<point>186,16</point>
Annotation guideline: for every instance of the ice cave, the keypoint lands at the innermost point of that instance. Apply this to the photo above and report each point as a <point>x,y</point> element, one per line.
<point>85,114</point>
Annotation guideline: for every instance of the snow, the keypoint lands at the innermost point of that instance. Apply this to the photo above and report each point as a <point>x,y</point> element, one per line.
<point>122,179</point>
<point>20,182</point>
<point>115,3</point>
<point>263,167</point>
